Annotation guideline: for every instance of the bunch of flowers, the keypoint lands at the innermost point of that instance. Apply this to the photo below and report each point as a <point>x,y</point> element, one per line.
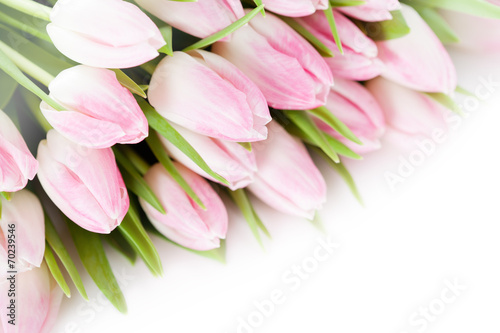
<point>143,115</point>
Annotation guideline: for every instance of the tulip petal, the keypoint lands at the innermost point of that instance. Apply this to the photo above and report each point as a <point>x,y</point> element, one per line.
<point>220,110</point>
<point>201,18</point>
<point>295,8</point>
<point>418,60</point>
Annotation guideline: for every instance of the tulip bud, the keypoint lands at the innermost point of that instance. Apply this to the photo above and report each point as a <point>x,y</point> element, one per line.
<point>359,61</point>
<point>372,10</point>
<point>100,111</point>
<point>355,106</point>
<point>185,222</point>
<point>84,183</point>
<point>201,18</point>
<point>287,179</point>
<point>17,164</point>
<point>408,113</point>
<point>38,298</point>
<point>418,60</point>
<point>295,8</point>
<point>23,218</point>
<point>208,95</point>
<point>288,70</point>
<point>228,159</point>
<point>476,33</point>
<point>104,33</point>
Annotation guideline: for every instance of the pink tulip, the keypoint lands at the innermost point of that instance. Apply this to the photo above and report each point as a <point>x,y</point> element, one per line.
<point>372,10</point>
<point>17,164</point>
<point>185,222</point>
<point>201,19</point>
<point>208,95</point>
<point>23,215</point>
<point>101,112</point>
<point>355,106</point>
<point>84,183</point>
<point>418,60</point>
<point>408,113</point>
<point>359,61</point>
<point>478,34</point>
<point>287,69</point>
<point>37,302</point>
<point>104,33</point>
<point>287,179</point>
<point>228,159</point>
<point>295,8</point>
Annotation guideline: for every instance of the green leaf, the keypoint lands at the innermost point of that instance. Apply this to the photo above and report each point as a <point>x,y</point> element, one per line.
<point>135,234</point>
<point>135,159</point>
<point>310,37</point>
<point>120,244</point>
<point>345,3</point>
<point>302,120</point>
<point>8,87</point>
<point>471,7</point>
<point>29,7</point>
<point>331,21</point>
<point>160,124</point>
<point>18,21</point>
<point>225,32</point>
<point>463,91</point>
<point>385,30</point>
<point>331,120</point>
<point>91,252</point>
<point>33,104</point>
<point>128,83</point>
<point>135,182</point>
<point>344,173</point>
<point>57,245</point>
<point>259,3</point>
<point>35,54</point>
<point>438,24</point>
<point>159,151</point>
<point>6,195</point>
<point>447,102</point>
<point>55,271</point>
<point>166,32</point>
<point>241,199</point>
<point>13,71</point>
<point>246,145</point>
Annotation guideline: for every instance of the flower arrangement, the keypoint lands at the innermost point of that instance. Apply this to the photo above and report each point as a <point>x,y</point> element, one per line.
<point>147,114</point>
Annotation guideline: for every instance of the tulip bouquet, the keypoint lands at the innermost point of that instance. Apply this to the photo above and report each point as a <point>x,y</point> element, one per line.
<point>143,116</point>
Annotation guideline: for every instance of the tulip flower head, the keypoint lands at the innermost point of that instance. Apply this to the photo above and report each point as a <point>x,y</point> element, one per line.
<point>359,61</point>
<point>17,164</point>
<point>408,113</point>
<point>22,217</point>
<point>84,183</point>
<point>185,222</point>
<point>104,33</point>
<point>288,70</point>
<point>355,106</point>
<point>372,10</point>
<point>100,111</point>
<point>418,60</point>
<point>201,18</point>
<point>296,8</point>
<point>228,159</point>
<point>206,94</point>
<point>38,298</point>
<point>287,179</point>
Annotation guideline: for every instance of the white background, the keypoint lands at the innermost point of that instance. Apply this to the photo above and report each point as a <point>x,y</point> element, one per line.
<point>394,257</point>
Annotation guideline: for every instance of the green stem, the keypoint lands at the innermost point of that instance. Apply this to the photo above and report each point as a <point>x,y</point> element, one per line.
<point>140,164</point>
<point>26,65</point>
<point>29,7</point>
<point>24,27</point>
